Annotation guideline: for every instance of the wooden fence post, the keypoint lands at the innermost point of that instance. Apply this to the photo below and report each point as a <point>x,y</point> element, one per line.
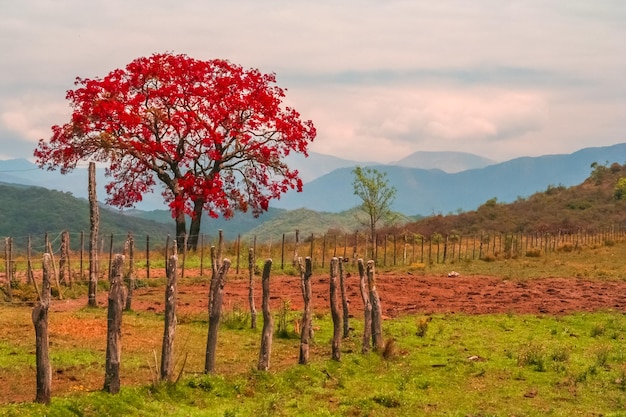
<point>169,331</point>
<point>117,295</point>
<point>334,309</point>
<point>7,269</point>
<point>251,265</point>
<point>130,248</point>
<point>268,323</point>
<point>367,308</point>
<point>377,317</point>
<point>344,299</point>
<point>94,224</point>
<point>40,321</point>
<point>214,316</point>
<point>148,257</point>
<point>306,325</point>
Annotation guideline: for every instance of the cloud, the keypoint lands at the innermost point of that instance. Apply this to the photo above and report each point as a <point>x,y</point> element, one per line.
<point>379,79</point>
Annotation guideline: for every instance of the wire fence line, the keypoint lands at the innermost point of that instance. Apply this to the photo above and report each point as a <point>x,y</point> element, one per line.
<point>388,250</point>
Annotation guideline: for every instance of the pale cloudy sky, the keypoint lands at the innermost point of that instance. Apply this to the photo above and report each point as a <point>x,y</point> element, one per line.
<point>380,79</point>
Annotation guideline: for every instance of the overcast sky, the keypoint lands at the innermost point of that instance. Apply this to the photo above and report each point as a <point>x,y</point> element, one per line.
<point>380,79</point>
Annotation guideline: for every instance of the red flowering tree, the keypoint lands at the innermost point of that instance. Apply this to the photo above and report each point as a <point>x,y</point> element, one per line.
<point>212,133</point>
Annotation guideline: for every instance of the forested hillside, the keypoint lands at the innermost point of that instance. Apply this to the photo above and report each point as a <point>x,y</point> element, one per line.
<point>598,203</point>
<point>35,211</point>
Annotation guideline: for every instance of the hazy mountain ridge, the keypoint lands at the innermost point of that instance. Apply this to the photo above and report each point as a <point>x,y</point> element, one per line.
<point>450,162</point>
<point>427,192</point>
<point>420,191</point>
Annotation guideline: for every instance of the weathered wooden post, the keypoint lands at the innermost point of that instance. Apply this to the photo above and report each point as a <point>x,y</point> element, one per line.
<point>344,299</point>
<point>251,263</point>
<point>296,258</point>
<point>169,331</point>
<point>54,271</point>
<point>29,267</point>
<point>306,327</point>
<point>129,247</point>
<point>40,321</point>
<point>377,316</point>
<point>214,316</point>
<point>64,260</point>
<point>334,310</point>
<point>117,296</point>
<point>7,269</point>
<point>268,323</point>
<point>367,308</point>
<point>94,222</point>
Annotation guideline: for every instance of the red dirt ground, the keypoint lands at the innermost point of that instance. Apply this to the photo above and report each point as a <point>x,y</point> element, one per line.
<point>407,294</point>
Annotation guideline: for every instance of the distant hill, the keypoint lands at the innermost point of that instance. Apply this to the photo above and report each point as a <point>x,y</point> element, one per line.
<point>427,192</point>
<point>449,162</point>
<point>34,211</point>
<point>590,206</point>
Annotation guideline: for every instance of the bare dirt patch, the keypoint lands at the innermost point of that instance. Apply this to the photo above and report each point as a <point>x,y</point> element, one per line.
<point>410,294</point>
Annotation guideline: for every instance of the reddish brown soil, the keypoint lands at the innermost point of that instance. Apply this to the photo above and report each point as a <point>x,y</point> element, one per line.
<point>406,294</point>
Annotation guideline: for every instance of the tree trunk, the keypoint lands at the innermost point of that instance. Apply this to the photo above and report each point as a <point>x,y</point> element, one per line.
<point>167,351</point>
<point>377,317</point>
<point>117,295</point>
<point>367,309</point>
<point>334,310</point>
<point>94,221</point>
<point>181,229</point>
<point>344,300</point>
<point>268,324</point>
<point>214,317</point>
<point>251,288</point>
<point>194,227</point>
<point>306,325</point>
<point>40,321</point>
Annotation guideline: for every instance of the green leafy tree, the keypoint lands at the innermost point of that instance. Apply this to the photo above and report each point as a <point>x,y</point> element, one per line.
<point>620,189</point>
<point>373,188</point>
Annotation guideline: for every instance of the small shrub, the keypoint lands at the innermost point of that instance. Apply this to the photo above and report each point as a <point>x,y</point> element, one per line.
<point>602,356</point>
<point>386,400</point>
<point>422,326</point>
<point>597,330</point>
<point>389,349</point>
<point>560,354</point>
<point>533,253</point>
<point>282,323</point>
<point>532,355</point>
<point>236,319</point>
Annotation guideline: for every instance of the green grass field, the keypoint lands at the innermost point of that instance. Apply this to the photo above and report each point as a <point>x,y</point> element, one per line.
<point>440,365</point>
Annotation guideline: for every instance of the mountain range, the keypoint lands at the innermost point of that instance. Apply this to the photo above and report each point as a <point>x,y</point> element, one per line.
<point>427,182</point>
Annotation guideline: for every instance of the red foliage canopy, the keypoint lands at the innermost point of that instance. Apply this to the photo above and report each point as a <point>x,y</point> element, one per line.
<point>213,133</point>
